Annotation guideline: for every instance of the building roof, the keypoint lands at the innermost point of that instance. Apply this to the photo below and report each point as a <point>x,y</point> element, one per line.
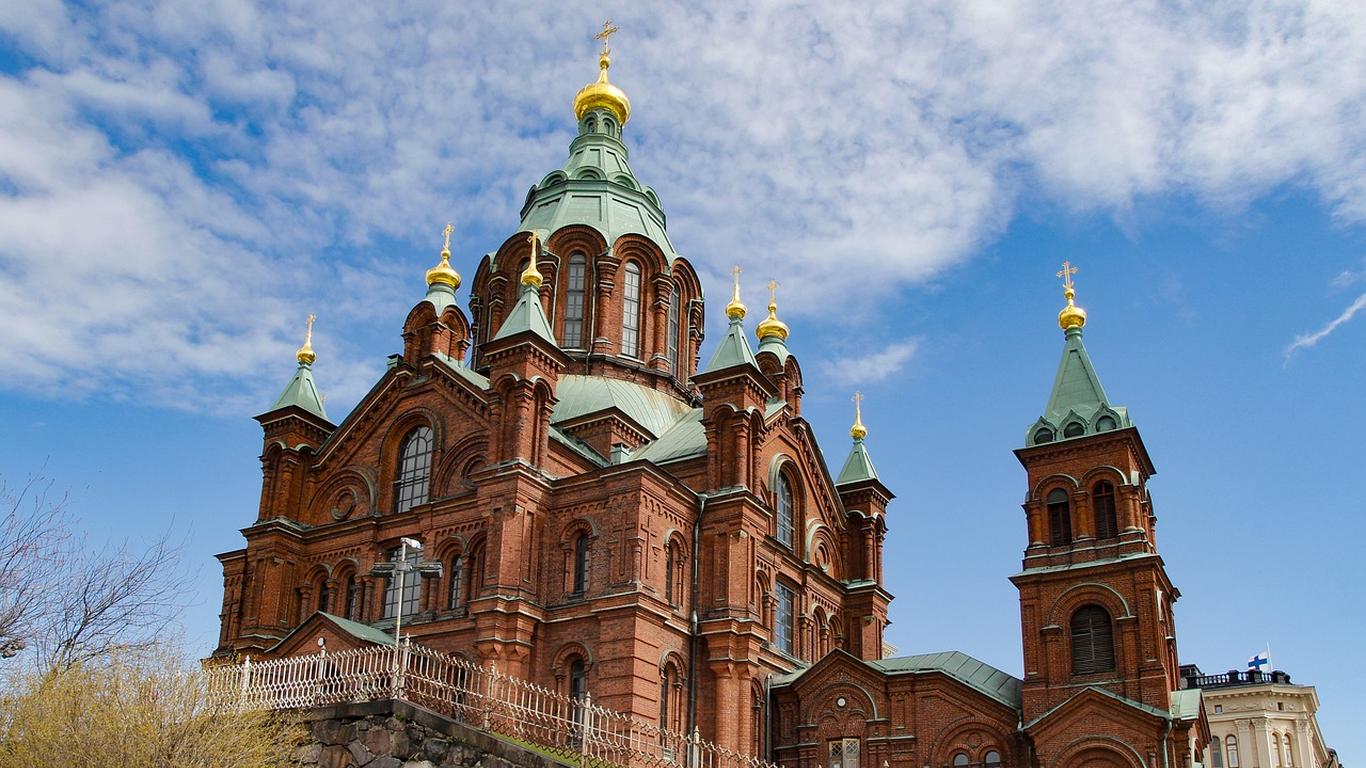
<point>1077,397</point>
<point>858,467</point>
<point>579,396</point>
<point>362,632</point>
<point>1186,704</point>
<point>686,439</point>
<point>977,675</point>
<point>527,315</point>
<point>734,348</point>
<point>302,392</point>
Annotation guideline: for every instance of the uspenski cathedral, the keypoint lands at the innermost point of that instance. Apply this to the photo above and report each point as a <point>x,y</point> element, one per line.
<point>597,511</point>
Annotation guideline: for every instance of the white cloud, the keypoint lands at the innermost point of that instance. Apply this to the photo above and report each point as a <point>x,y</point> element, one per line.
<point>1307,340</point>
<point>872,367</point>
<point>833,147</point>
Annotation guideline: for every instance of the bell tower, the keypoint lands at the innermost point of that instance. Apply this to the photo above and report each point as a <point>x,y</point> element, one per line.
<point>1095,599</point>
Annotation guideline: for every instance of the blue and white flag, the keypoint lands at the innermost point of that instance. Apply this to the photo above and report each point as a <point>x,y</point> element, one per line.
<point>1259,661</point>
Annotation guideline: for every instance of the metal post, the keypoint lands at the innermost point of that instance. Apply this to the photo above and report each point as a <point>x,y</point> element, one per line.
<point>585,721</point>
<point>488,692</point>
<point>694,747</point>
<point>246,682</point>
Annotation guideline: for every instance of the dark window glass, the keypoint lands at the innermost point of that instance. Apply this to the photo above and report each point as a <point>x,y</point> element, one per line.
<point>670,562</point>
<point>1105,424</point>
<point>1216,754</point>
<point>992,759</point>
<point>1043,435</point>
<point>414,470</point>
<point>581,564</point>
<point>1059,518</point>
<point>630,311</point>
<point>960,760</point>
<point>412,586</point>
<point>665,687</point>
<point>786,511</point>
<point>1232,744</point>
<point>574,302</point>
<point>353,599</point>
<point>324,596</point>
<point>783,634</point>
<point>578,680</point>
<point>1103,501</point>
<point>1075,429</point>
<point>675,298</point>
<point>457,581</point>
<point>1093,647</point>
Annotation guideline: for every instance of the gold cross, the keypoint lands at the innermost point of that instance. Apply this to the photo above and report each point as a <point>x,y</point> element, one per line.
<point>447,232</point>
<point>772,291</point>
<point>858,404</point>
<point>308,337</point>
<point>735,272</point>
<point>608,29</point>
<point>1066,274</point>
<point>531,238</point>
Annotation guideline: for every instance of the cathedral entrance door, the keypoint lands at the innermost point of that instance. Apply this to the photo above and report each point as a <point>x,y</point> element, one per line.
<point>844,753</point>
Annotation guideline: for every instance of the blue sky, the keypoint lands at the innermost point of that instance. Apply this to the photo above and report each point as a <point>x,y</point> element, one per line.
<point>181,184</point>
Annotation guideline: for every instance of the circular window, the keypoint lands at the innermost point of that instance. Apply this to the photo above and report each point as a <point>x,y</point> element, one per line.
<point>841,702</point>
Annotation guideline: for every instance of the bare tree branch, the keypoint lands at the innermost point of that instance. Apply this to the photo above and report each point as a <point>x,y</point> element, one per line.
<point>34,542</point>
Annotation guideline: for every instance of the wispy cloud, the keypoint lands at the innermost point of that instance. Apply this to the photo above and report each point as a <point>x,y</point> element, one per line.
<point>223,170</point>
<point>1307,340</point>
<point>870,368</point>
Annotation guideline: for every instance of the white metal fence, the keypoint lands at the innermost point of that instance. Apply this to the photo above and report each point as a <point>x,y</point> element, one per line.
<point>579,732</point>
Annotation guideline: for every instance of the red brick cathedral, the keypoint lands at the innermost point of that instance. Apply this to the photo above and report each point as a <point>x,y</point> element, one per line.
<point>608,516</point>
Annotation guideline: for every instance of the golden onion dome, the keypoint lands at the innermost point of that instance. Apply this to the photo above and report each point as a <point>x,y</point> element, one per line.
<point>736,310</point>
<point>443,272</point>
<point>771,325</point>
<point>531,276</point>
<point>305,354</point>
<point>858,431</point>
<point>1071,316</point>
<point>602,95</point>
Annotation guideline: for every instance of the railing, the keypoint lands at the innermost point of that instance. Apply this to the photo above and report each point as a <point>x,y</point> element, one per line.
<point>1234,677</point>
<point>579,732</point>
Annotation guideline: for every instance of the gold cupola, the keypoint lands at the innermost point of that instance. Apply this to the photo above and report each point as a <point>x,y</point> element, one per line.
<point>736,310</point>
<point>531,276</point>
<point>1071,316</point>
<point>858,431</point>
<point>602,94</point>
<point>443,272</point>
<point>771,326</point>
<point>305,355</point>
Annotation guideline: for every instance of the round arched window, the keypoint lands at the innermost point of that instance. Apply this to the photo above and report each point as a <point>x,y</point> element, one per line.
<point>960,760</point>
<point>1043,435</point>
<point>1074,429</point>
<point>992,759</point>
<point>1105,424</point>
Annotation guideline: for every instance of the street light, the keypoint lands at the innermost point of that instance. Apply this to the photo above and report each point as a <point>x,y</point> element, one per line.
<point>400,569</point>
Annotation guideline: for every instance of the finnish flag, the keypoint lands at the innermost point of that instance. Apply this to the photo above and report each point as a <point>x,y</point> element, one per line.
<point>1259,661</point>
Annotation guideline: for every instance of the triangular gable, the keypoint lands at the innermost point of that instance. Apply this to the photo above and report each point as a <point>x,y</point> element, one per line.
<point>1076,386</point>
<point>339,635</point>
<point>1091,698</point>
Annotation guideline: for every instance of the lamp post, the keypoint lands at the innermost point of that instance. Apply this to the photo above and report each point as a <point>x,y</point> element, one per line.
<point>399,570</point>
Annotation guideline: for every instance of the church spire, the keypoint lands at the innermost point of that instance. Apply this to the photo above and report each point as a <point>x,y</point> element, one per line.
<point>602,94</point>
<point>528,314</point>
<point>442,280</point>
<point>301,391</point>
<point>1077,405</point>
<point>859,466</point>
<point>734,348</point>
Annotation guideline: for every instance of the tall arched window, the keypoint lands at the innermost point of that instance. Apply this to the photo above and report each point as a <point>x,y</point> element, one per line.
<point>457,581</point>
<point>1231,747</point>
<point>574,303</point>
<point>675,298</point>
<point>414,470</point>
<point>1103,502</point>
<point>1289,752</point>
<point>1093,648</point>
<point>786,511</point>
<point>352,607</point>
<point>756,720</point>
<point>671,563</point>
<point>1216,754</point>
<point>666,689</point>
<point>1059,518</point>
<point>784,634</point>
<point>630,311</point>
<point>474,571</point>
<point>1276,750</point>
<point>324,596</point>
<point>578,680</point>
<point>412,586</point>
<point>581,564</point>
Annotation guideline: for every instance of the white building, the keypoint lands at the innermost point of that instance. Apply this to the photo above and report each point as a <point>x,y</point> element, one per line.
<point>1260,720</point>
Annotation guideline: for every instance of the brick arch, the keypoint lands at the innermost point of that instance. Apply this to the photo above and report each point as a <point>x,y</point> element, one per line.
<point>1098,752</point>
<point>1104,472</point>
<point>326,503</point>
<point>1104,595</point>
<point>559,663</point>
<point>824,702</point>
<point>784,465</point>
<point>957,737</point>
<point>455,466</point>
<point>1057,480</point>
<point>392,440</point>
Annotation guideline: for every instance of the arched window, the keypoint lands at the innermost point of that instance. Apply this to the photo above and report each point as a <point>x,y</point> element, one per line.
<point>414,470</point>
<point>666,692</point>
<point>1093,648</point>
<point>324,596</point>
<point>352,607</point>
<point>960,760</point>
<point>630,311</point>
<point>786,511</point>
<point>578,680</point>
<point>675,298</point>
<point>992,759</point>
<point>1105,423</point>
<point>1043,435</point>
<point>474,572</point>
<point>1231,748</point>
<point>671,564</point>
<point>756,718</point>
<point>412,585</point>
<point>581,564</point>
<point>457,582</point>
<point>1275,750</point>
<point>1074,429</point>
<point>1289,752</point>
<point>1059,518</point>
<point>1216,754</point>
<point>574,303</point>
<point>1103,502</point>
<point>783,630</point>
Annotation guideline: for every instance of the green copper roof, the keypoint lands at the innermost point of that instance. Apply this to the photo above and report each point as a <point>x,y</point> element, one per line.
<point>776,346</point>
<point>302,392</point>
<point>686,439</point>
<point>441,296</point>
<point>1186,704</point>
<point>734,349</point>
<point>1078,405</point>
<point>597,188</point>
<point>858,467</point>
<point>961,667</point>
<point>583,395</point>
<point>527,315</point>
